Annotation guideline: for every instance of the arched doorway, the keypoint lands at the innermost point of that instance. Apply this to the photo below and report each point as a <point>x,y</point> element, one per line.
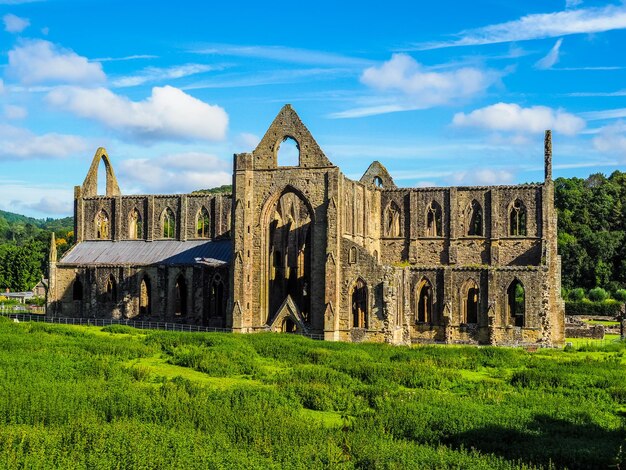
<point>471,303</point>
<point>289,326</point>
<point>516,302</point>
<point>359,304</point>
<point>424,300</point>
<point>144,296</point>
<point>289,253</point>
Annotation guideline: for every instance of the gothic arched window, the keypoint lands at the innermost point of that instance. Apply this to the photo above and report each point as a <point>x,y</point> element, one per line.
<point>168,223</point>
<point>135,227</point>
<point>203,224</point>
<point>433,220</point>
<point>474,218</point>
<point>517,219</point>
<point>516,295</point>
<point>102,225</point>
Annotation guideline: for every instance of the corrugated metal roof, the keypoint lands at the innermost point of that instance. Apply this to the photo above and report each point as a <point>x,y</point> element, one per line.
<point>138,252</point>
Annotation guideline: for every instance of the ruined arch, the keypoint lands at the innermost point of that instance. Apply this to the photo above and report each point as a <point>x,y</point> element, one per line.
<point>289,221</point>
<point>392,220</point>
<point>516,303</point>
<point>518,218</point>
<point>378,176</point>
<point>102,225</point>
<point>135,225</point>
<point>470,302</point>
<point>424,301</point>
<point>203,223</point>
<point>474,219</point>
<point>168,223</point>
<point>359,303</point>
<point>90,185</point>
<point>434,224</point>
<point>217,298</point>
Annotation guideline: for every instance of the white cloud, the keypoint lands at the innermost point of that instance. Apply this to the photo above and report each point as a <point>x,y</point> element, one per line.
<point>151,74</point>
<point>612,139</point>
<point>246,141</point>
<point>177,173</point>
<point>572,3</point>
<point>36,200</point>
<point>409,85</point>
<point>47,205</point>
<point>1,86</point>
<point>15,24</point>
<point>168,113</point>
<point>540,26</point>
<point>39,61</point>
<point>511,117</point>
<point>17,2</point>
<point>481,177</point>
<point>551,57</point>
<point>15,112</point>
<point>125,58</point>
<point>22,144</point>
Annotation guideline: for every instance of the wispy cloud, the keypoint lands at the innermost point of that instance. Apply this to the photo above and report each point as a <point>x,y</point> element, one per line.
<point>18,2</point>
<point>540,26</point>
<point>612,139</point>
<point>600,68</point>
<point>605,114</point>
<point>14,24</point>
<point>572,3</point>
<point>35,199</point>
<point>598,93</point>
<point>168,113</point>
<point>128,57</point>
<point>284,54</point>
<point>156,74</point>
<point>403,84</point>
<point>550,58</point>
<point>15,112</point>
<point>510,117</point>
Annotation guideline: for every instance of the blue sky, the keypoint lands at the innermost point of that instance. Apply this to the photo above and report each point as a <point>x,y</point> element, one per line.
<point>442,93</point>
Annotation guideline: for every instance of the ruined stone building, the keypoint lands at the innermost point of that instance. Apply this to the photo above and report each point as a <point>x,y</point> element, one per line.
<point>305,249</point>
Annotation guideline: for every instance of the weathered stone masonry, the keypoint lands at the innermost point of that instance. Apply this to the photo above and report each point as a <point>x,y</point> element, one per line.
<point>305,249</point>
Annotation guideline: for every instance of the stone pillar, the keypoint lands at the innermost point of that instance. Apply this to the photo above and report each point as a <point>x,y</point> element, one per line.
<point>548,155</point>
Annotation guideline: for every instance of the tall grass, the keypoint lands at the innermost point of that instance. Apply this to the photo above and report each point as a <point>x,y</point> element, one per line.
<point>77,397</point>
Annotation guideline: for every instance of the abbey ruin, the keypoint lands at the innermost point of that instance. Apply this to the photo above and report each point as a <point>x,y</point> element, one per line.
<point>305,249</point>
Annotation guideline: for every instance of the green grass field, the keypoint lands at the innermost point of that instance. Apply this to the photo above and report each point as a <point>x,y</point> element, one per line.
<point>116,397</point>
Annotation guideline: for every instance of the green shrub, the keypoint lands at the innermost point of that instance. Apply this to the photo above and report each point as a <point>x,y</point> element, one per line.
<point>576,294</point>
<point>620,295</point>
<point>598,294</point>
<point>120,329</point>
<point>608,308</point>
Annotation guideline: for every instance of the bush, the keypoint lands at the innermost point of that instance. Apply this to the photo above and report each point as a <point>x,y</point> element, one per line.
<point>620,295</point>
<point>576,294</point>
<point>608,308</point>
<point>598,294</point>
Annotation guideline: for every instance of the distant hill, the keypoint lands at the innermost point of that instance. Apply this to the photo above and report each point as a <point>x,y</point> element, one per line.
<point>47,223</point>
<point>224,189</point>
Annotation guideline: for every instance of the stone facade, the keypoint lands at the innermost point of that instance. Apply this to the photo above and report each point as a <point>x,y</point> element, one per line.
<point>314,252</point>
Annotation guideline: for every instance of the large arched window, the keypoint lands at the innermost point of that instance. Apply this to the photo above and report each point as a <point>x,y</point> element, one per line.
<point>474,219</point>
<point>288,152</point>
<point>135,226</point>
<point>168,224</point>
<point>517,219</point>
<point>77,289</point>
<point>203,224</point>
<point>434,226</point>
<point>471,301</point>
<point>516,295</point>
<point>144,296</point>
<point>180,296</point>
<point>424,300</point>
<point>359,304</point>
<point>392,220</point>
<point>102,225</point>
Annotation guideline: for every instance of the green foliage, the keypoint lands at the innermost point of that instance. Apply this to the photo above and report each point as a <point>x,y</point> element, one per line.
<point>608,308</point>
<point>576,294</point>
<point>620,294</point>
<point>77,397</point>
<point>598,294</point>
<point>224,189</point>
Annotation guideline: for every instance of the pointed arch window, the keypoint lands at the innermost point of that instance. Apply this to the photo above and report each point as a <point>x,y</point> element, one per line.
<point>474,219</point>
<point>102,225</point>
<point>516,296</point>
<point>168,224</point>
<point>517,219</point>
<point>135,226</point>
<point>353,255</point>
<point>110,293</point>
<point>77,289</point>
<point>471,302</point>
<point>180,296</point>
<point>144,296</point>
<point>359,304</point>
<point>203,224</point>
<point>433,220</point>
<point>217,297</point>
<point>424,299</point>
<point>392,220</point>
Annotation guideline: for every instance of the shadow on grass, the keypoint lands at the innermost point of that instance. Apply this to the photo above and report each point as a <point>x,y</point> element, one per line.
<point>547,440</point>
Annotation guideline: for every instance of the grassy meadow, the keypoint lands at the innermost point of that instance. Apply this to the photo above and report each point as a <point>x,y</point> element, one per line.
<point>116,397</point>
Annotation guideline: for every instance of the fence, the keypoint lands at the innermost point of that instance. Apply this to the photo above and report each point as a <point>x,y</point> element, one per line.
<point>144,325</point>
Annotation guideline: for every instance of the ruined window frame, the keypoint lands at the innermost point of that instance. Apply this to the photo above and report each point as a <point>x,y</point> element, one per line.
<point>168,224</point>
<point>359,316</point>
<point>102,224</point>
<point>475,219</point>
<point>135,225</point>
<point>424,283</point>
<point>512,304</point>
<point>434,220</point>
<point>518,219</point>
<point>203,223</point>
